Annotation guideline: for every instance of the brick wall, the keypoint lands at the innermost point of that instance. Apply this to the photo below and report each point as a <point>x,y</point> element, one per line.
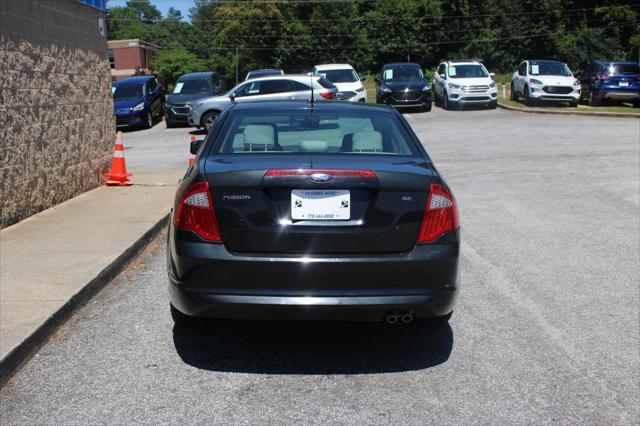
<point>56,111</point>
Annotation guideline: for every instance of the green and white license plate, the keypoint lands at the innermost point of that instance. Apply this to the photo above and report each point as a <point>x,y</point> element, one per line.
<point>320,204</point>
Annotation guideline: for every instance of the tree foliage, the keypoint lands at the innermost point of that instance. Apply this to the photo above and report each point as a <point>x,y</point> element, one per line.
<point>367,34</point>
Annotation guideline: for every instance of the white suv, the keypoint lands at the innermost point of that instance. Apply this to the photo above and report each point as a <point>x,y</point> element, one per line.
<point>345,78</point>
<point>464,82</point>
<point>542,80</point>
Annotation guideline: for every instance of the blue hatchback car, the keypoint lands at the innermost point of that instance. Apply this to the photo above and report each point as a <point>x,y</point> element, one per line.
<point>612,81</point>
<point>137,101</point>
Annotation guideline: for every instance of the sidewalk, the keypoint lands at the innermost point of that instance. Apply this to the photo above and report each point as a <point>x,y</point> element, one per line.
<point>48,259</point>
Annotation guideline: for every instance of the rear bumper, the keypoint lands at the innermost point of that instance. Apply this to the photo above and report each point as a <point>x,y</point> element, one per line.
<point>208,280</point>
<point>621,95</point>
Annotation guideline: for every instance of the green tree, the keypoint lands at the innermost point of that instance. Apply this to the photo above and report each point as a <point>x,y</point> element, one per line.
<point>171,64</point>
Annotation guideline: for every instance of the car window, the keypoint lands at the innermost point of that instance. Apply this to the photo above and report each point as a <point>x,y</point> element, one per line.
<point>124,92</point>
<point>294,131</point>
<point>151,85</point>
<point>441,70</point>
<point>467,71</point>
<point>624,69</point>
<point>522,68</point>
<point>269,87</point>
<point>296,86</point>
<point>192,86</point>
<point>339,76</point>
<point>249,89</point>
<point>549,68</point>
<point>402,73</point>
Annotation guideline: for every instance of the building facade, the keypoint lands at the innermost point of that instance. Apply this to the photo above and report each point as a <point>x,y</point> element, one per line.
<point>56,111</point>
<point>131,57</point>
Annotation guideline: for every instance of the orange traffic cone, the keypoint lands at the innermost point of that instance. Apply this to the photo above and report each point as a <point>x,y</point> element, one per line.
<point>192,158</point>
<point>118,174</point>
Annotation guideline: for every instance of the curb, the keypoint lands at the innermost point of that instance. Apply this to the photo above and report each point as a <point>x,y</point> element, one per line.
<point>26,349</point>
<point>586,113</point>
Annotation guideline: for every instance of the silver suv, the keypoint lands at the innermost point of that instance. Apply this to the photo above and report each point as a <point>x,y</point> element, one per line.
<point>282,87</point>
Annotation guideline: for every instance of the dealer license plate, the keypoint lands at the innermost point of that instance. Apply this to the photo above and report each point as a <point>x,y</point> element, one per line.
<point>320,204</point>
<point>623,83</point>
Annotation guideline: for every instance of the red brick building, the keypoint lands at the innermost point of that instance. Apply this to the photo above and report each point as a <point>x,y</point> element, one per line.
<point>128,56</point>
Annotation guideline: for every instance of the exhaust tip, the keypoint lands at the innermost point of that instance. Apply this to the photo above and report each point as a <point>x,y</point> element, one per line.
<point>392,319</point>
<point>407,318</point>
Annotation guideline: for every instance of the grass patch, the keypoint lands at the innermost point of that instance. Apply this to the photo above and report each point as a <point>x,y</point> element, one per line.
<point>625,108</point>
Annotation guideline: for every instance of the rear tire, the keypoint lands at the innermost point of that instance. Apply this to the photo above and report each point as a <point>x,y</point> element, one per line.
<point>594,100</point>
<point>513,95</point>
<point>183,320</point>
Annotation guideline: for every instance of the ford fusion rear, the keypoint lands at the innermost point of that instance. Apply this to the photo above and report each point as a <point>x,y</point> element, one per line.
<point>323,211</point>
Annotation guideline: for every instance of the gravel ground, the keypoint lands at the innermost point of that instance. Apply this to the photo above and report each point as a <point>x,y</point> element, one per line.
<point>546,329</point>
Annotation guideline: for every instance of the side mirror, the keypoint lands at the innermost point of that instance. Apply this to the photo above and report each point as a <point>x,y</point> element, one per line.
<point>492,74</point>
<point>442,76</point>
<point>232,96</point>
<point>195,146</point>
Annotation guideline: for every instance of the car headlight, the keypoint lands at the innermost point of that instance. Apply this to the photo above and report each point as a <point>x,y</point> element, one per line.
<point>386,90</point>
<point>425,87</point>
<point>576,83</point>
<point>138,107</point>
<point>492,84</point>
<point>360,89</point>
<point>454,86</point>
<point>536,82</point>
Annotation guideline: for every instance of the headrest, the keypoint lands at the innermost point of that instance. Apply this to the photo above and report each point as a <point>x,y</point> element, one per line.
<point>259,137</point>
<point>367,142</point>
<point>314,146</point>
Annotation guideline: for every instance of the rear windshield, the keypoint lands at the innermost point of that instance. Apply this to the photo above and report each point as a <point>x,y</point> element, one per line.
<point>624,69</point>
<point>315,132</point>
<point>325,83</point>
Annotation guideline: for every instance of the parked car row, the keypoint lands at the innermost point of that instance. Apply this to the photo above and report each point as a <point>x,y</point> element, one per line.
<point>199,98</point>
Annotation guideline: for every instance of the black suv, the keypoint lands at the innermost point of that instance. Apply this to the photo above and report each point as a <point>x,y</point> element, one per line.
<point>403,85</point>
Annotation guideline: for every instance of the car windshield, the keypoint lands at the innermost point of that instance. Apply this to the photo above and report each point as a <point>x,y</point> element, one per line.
<point>192,86</point>
<point>315,132</point>
<point>467,71</point>
<point>123,92</point>
<point>549,68</point>
<point>339,76</point>
<point>624,69</point>
<point>402,74</point>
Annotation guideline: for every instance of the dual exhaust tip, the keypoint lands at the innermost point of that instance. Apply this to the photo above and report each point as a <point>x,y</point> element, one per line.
<point>395,317</point>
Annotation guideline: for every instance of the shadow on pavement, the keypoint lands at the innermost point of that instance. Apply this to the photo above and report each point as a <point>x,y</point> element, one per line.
<point>198,132</point>
<point>306,347</point>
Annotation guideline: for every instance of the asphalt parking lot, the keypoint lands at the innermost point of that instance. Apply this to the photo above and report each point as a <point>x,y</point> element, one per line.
<point>546,329</point>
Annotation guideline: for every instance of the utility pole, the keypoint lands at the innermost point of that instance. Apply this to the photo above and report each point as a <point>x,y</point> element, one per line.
<point>236,64</point>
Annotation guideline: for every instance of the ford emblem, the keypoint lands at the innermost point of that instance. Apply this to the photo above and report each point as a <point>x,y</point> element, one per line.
<point>320,178</point>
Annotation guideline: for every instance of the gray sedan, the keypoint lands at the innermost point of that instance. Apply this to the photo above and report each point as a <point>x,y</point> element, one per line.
<point>282,87</point>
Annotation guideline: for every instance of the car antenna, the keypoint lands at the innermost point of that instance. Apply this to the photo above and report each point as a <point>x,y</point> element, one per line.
<point>312,100</point>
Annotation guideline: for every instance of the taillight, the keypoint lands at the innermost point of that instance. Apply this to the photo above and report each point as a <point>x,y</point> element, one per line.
<point>331,172</point>
<point>327,95</point>
<point>602,76</point>
<point>440,216</point>
<point>195,212</point>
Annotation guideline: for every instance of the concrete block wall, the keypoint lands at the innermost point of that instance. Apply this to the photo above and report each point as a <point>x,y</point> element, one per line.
<point>57,127</point>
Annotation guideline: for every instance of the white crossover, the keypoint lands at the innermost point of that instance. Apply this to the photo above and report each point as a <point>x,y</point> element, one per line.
<point>458,83</point>
<point>346,79</point>
<point>544,80</point>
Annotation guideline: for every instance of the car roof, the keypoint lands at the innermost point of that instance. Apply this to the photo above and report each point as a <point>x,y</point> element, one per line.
<point>399,64</point>
<point>137,79</point>
<point>463,62</point>
<point>322,67</point>
<point>197,75</point>
<point>306,105</point>
<point>284,77</point>
<point>544,60</point>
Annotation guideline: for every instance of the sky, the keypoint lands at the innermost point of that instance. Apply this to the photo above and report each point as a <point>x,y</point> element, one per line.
<point>162,5</point>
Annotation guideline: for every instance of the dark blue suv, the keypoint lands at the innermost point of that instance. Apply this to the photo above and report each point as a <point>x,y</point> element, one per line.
<point>137,101</point>
<point>612,81</point>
